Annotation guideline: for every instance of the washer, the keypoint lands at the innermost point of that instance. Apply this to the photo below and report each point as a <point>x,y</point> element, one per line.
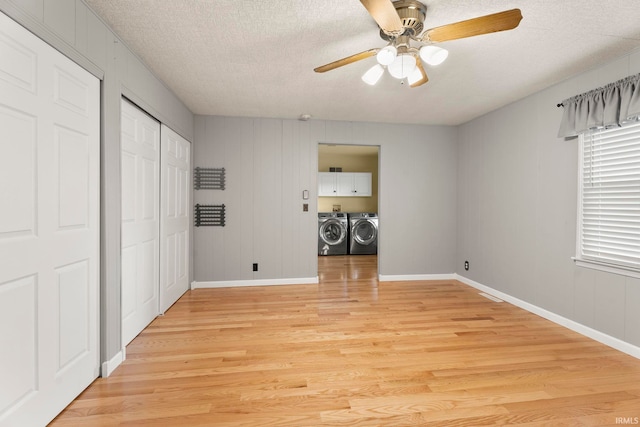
<point>333,233</point>
<point>363,232</point>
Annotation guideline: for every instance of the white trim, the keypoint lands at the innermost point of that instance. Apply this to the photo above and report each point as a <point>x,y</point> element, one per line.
<point>600,175</point>
<point>409,277</point>
<point>613,269</point>
<point>110,365</point>
<point>261,282</point>
<point>613,342</point>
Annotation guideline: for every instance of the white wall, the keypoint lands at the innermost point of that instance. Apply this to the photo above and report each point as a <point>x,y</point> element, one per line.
<point>269,162</point>
<point>517,207</point>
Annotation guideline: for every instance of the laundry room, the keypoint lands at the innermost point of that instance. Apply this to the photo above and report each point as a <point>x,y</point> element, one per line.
<point>347,199</point>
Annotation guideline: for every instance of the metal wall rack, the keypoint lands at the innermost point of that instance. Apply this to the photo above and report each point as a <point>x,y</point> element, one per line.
<point>209,215</point>
<point>209,178</point>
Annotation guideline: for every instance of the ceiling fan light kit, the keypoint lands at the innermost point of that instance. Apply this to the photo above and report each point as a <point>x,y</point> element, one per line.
<point>433,55</point>
<point>404,65</point>
<point>401,22</point>
<point>387,55</point>
<point>373,74</point>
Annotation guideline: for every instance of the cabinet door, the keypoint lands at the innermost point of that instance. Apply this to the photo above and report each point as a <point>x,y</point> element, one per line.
<point>362,184</point>
<point>344,184</point>
<point>326,184</point>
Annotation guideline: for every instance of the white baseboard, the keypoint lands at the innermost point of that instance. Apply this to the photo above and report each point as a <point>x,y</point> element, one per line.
<point>409,277</point>
<point>613,342</point>
<point>260,282</point>
<point>110,365</point>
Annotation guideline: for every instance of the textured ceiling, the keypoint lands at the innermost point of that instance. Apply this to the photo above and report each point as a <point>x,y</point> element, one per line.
<point>256,58</point>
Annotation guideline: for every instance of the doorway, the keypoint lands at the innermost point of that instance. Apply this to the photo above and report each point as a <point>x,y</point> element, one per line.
<point>348,177</point>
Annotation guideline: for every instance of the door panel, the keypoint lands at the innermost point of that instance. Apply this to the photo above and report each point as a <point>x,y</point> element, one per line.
<point>128,283</point>
<point>174,213</point>
<point>18,328</point>
<point>74,316</point>
<point>49,228</point>
<point>140,160</point>
<point>18,165</point>
<point>149,285</point>
<point>72,152</point>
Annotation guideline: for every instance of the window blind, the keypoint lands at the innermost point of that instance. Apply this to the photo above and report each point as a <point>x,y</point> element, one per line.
<point>610,196</point>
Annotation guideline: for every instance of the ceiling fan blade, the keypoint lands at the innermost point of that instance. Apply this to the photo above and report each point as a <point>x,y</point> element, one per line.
<point>385,15</point>
<point>345,61</point>
<point>424,78</point>
<point>501,21</point>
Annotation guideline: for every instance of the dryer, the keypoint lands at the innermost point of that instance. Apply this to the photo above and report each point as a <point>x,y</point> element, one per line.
<point>333,232</point>
<point>363,233</point>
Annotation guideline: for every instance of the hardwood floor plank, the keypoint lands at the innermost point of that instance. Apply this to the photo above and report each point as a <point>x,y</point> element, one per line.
<point>354,352</point>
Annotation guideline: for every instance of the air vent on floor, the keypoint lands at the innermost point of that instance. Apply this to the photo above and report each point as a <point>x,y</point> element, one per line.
<point>491,297</point>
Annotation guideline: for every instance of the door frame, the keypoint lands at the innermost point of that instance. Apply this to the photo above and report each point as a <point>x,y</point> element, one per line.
<point>379,176</point>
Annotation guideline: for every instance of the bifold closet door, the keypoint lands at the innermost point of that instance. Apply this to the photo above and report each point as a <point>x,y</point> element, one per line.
<point>140,234</point>
<point>49,228</point>
<point>174,217</point>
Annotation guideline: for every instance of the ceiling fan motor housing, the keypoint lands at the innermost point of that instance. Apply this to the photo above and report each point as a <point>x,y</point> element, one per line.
<point>412,14</point>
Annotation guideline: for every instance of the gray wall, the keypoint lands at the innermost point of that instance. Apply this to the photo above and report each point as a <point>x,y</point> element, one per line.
<point>269,162</point>
<point>517,207</point>
<point>72,28</point>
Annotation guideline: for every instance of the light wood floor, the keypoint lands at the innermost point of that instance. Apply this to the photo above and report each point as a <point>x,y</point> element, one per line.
<point>352,351</point>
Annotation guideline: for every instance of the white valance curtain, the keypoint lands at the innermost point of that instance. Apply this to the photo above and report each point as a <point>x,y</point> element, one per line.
<point>603,107</point>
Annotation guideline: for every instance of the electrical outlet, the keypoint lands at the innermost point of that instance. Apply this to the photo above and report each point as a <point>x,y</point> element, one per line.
<point>255,266</point>
<point>305,207</point>
<point>466,265</point>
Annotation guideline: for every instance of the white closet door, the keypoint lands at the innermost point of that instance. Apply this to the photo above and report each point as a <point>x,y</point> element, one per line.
<point>49,228</point>
<point>140,169</point>
<point>174,217</point>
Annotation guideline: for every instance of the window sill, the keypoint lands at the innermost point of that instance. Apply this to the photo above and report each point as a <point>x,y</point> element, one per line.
<point>622,271</point>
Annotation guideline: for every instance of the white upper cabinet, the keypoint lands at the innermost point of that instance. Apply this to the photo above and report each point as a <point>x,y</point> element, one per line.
<point>327,184</point>
<point>344,184</point>
<point>362,184</point>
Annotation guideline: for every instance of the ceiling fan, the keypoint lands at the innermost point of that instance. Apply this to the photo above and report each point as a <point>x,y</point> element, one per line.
<point>401,22</point>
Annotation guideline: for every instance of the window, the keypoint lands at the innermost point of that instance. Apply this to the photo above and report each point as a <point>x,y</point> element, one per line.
<point>609,192</point>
